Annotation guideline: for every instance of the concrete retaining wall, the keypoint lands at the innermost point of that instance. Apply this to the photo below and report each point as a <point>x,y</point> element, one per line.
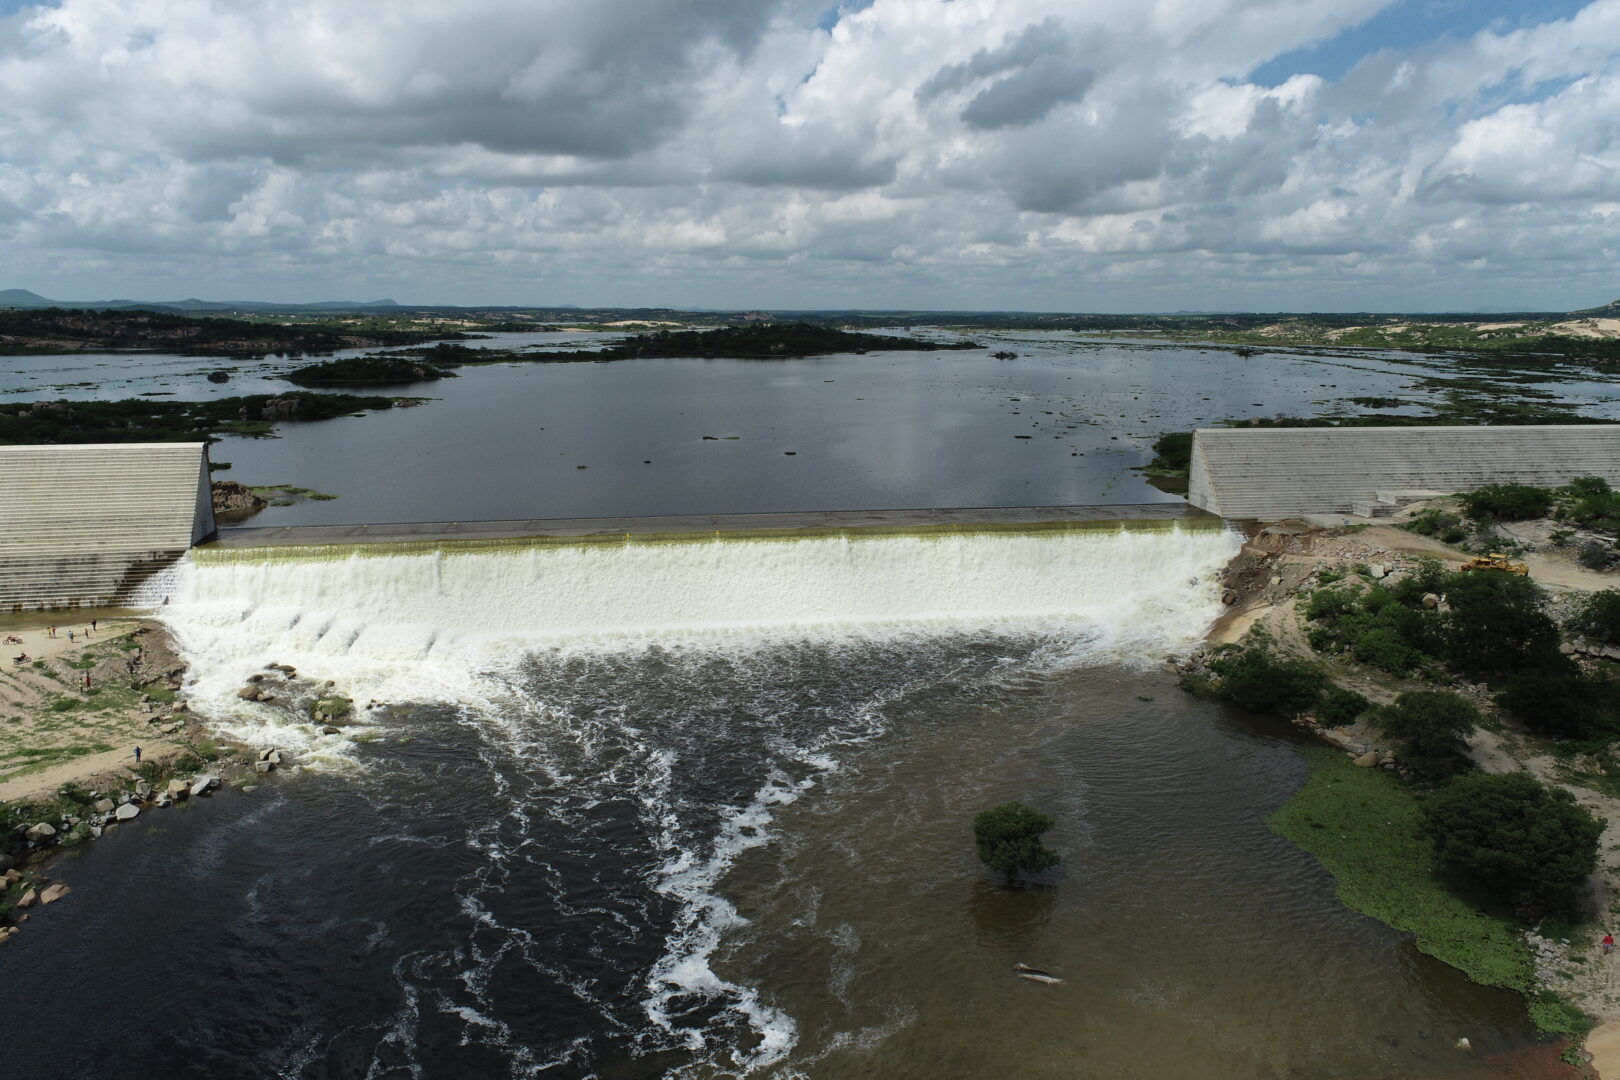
<point>93,525</point>
<point>1274,473</point>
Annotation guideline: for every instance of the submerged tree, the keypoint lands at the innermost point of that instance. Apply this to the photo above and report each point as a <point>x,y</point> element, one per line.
<point>1009,839</point>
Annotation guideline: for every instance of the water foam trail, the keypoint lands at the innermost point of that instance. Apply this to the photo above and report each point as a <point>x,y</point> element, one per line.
<point>708,684</point>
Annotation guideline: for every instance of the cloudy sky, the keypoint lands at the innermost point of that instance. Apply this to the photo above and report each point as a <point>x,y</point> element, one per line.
<point>1106,155</point>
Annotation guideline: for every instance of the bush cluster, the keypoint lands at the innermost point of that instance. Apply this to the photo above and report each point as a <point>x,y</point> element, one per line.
<point>1386,627</point>
<point>1430,729</point>
<point>1507,502</point>
<point>1256,680</point>
<point>1495,632</point>
<point>1598,616</point>
<point>1518,840</point>
<point>1445,527</point>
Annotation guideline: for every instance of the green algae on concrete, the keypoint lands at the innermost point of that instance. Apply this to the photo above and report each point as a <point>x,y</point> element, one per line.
<point>325,542</point>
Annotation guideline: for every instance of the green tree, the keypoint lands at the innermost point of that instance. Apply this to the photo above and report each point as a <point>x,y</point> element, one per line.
<point>1521,841</point>
<point>1340,707</point>
<point>1009,839</point>
<point>1507,502</point>
<point>1496,625</point>
<point>1258,681</point>
<point>1555,698</point>
<point>1430,729</point>
<point>1598,616</point>
<point>1173,452</point>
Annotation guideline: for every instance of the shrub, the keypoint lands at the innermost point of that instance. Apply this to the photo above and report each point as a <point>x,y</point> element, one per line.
<point>1256,680</point>
<point>1507,502</point>
<point>1386,629</point>
<point>1583,486</point>
<point>1329,604</point>
<point>1496,625</point>
<point>1592,503</point>
<point>1432,522</point>
<point>1596,555</point>
<point>1597,616</point>
<point>1382,647</point>
<point>1009,839</point>
<point>1173,451</point>
<point>1522,842</point>
<point>1339,707</point>
<point>1556,699</point>
<point>1430,729</point>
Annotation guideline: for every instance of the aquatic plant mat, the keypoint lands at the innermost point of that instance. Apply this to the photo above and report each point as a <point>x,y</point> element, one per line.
<point>1363,825</point>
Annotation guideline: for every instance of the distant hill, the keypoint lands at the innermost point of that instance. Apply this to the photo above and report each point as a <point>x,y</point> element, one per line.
<point>23,298</point>
<point>1611,310</point>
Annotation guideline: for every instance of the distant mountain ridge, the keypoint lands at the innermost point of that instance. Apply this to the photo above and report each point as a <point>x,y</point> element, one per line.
<point>23,298</point>
<point>1611,310</point>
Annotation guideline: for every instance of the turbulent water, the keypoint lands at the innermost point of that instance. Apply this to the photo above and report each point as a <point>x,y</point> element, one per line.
<point>698,809</point>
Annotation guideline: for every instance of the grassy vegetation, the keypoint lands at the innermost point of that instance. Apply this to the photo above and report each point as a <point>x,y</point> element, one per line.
<point>1366,828</point>
<point>753,341</point>
<point>146,420</point>
<point>54,330</point>
<point>380,370</point>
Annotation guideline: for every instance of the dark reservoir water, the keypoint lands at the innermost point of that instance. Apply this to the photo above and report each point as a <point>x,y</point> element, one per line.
<point>1066,422</point>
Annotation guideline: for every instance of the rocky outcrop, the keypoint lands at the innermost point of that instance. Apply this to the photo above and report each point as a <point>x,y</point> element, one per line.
<point>231,496</point>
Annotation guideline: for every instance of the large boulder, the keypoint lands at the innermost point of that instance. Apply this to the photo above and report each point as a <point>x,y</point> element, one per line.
<point>127,812</point>
<point>103,806</point>
<point>178,789</point>
<point>204,784</point>
<point>53,893</point>
<point>43,833</point>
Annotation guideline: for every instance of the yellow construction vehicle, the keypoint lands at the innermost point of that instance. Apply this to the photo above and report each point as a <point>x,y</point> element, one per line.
<point>1495,561</point>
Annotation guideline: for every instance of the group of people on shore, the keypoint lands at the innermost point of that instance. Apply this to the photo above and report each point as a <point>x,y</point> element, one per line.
<point>50,632</point>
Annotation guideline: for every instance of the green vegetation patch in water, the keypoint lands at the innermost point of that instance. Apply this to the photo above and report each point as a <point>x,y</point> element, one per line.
<point>1365,827</point>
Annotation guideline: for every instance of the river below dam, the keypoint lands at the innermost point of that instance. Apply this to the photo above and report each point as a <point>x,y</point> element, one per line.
<point>703,809</point>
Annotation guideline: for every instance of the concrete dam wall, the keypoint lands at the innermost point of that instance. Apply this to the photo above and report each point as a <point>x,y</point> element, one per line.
<point>98,525</point>
<point>1272,473</point>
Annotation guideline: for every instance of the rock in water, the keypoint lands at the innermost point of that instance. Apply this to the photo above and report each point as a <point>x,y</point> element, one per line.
<point>128,812</point>
<point>54,893</point>
<point>204,784</point>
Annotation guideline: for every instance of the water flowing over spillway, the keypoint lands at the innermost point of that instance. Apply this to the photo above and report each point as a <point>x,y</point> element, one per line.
<point>644,709</point>
<point>1133,585</point>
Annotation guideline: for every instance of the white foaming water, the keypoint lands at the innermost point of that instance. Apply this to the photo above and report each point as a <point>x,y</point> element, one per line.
<point>1139,590</point>
<point>460,626</point>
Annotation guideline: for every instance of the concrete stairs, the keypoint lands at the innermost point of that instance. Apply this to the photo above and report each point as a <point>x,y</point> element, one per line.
<point>92,526</point>
<point>1272,473</point>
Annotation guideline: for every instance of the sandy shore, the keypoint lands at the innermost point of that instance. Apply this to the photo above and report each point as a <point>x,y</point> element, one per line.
<point>55,729</point>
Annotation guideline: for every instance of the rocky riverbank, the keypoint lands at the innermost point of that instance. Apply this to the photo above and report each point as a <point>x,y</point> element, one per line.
<point>75,710</point>
<point>1268,590</point>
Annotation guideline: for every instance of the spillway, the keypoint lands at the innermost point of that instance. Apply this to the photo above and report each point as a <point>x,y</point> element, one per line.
<point>400,623</point>
<point>374,601</point>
